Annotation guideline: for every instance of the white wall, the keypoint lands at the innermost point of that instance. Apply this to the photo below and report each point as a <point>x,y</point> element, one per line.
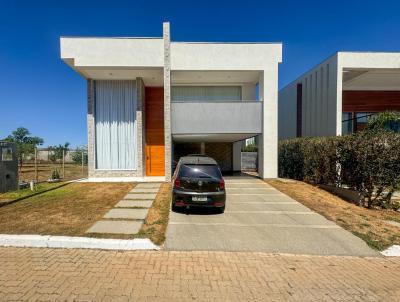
<point>224,56</point>
<point>268,140</point>
<point>287,110</point>
<point>113,52</point>
<point>320,110</point>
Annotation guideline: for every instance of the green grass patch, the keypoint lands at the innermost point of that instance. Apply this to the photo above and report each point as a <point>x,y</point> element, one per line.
<point>24,193</point>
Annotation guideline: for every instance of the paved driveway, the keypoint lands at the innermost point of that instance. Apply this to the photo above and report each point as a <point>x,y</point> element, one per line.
<point>260,218</point>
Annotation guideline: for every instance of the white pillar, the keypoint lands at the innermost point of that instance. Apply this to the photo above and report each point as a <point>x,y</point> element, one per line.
<point>237,156</point>
<point>268,140</point>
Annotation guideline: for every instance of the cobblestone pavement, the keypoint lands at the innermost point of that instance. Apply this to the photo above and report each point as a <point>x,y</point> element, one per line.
<point>86,275</point>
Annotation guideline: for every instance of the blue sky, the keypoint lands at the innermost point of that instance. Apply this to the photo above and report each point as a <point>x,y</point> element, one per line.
<point>38,91</point>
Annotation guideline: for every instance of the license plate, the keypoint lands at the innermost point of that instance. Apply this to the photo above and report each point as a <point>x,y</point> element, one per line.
<point>199,199</point>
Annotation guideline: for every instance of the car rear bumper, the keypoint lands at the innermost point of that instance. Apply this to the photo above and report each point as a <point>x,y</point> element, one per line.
<point>184,199</point>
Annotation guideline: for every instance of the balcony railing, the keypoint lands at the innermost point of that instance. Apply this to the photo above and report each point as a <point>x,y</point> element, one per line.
<point>216,117</point>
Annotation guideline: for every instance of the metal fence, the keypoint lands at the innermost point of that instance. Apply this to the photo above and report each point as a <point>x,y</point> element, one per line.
<point>43,164</point>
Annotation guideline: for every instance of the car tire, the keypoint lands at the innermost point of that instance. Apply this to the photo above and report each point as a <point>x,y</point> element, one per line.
<point>174,208</point>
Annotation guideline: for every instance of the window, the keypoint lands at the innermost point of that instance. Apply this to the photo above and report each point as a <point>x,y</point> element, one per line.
<point>6,154</point>
<point>206,93</point>
<point>199,171</point>
<point>115,125</point>
<point>347,123</point>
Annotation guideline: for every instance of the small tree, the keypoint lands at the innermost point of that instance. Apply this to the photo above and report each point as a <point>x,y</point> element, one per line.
<point>57,152</point>
<point>25,144</point>
<point>77,156</point>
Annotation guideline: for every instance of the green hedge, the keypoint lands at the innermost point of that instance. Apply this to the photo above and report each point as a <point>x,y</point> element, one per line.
<point>368,162</point>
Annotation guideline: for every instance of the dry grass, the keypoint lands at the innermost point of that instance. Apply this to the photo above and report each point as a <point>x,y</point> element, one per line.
<point>155,225</point>
<point>69,210</point>
<point>72,171</point>
<point>368,224</point>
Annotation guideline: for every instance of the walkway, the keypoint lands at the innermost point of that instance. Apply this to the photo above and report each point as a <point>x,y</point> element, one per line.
<point>128,215</point>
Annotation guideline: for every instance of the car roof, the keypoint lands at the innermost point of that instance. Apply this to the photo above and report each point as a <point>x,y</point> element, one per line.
<point>194,159</point>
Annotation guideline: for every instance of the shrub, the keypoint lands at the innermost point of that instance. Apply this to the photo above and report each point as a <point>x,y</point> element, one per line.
<point>368,162</point>
<point>250,148</point>
<point>55,174</point>
<point>389,120</point>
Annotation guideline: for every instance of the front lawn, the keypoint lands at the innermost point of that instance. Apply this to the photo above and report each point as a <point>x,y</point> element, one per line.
<point>368,224</point>
<point>24,193</point>
<point>68,210</point>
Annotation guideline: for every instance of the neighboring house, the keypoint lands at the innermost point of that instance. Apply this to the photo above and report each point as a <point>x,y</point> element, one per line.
<point>151,100</point>
<point>339,95</point>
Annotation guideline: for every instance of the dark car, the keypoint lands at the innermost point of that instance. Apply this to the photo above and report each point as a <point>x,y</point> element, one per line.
<point>198,182</point>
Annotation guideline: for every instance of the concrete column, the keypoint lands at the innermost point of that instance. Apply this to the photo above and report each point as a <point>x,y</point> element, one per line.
<point>167,100</point>
<point>140,127</point>
<point>90,127</point>
<point>203,148</point>
<point>237,156</point>
<point>268,140</point>
<point>338,69</point>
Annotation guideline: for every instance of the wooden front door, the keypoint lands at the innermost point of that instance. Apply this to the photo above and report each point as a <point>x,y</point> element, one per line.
<point>154,131</point>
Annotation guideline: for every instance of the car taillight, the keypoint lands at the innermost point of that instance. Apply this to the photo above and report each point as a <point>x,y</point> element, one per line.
<point>177,183</point>
<point>222,184</point>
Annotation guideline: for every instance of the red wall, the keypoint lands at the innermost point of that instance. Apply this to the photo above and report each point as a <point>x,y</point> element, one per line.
<point>370,101</point>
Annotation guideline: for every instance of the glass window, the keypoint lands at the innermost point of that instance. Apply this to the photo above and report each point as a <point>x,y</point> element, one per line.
<point>363,117</point>
<point>200,171</point>
<point>347,123</point>
<point>6,154</point>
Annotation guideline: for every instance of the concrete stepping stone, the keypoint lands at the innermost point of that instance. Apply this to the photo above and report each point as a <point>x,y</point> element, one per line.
<point>115,227</point>
<point>134,203</point>
<point>144,190</point>
<point>148,185</point>
<point>140,196</point>
<point>127,214</point>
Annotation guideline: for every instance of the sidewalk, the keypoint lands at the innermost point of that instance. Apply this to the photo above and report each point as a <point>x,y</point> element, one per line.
<point>75,275</point>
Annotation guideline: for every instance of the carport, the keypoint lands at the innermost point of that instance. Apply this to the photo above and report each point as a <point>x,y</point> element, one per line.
<point>213,113</point>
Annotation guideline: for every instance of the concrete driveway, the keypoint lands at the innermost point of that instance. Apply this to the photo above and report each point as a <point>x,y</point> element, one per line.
<point>260,218</point>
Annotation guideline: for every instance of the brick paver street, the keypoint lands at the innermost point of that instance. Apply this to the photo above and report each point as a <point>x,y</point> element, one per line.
<point>85,275</point>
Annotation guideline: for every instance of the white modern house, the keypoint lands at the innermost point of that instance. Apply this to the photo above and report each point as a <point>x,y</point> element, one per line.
<point>152,100</point>
<point>339,95</point>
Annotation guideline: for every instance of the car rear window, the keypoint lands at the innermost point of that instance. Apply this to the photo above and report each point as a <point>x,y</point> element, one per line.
<point>199,171</point>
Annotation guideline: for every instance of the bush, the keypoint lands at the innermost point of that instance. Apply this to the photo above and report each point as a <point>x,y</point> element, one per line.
<point>55,174</point>
<point>368,162</point>
<point>389,120</point>
<point>250,148</point>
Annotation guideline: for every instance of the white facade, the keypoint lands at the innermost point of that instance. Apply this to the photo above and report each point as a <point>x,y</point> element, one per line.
<point>322,89</point>
<point>160,63</point>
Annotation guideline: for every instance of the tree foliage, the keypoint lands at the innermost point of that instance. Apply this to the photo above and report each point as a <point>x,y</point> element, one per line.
<point>57,151</point>
<point>77,156</point>
<point>24,142</point>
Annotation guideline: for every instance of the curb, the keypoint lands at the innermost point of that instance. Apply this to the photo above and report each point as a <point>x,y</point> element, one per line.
<point>393,251</point>
<point>65,242</point>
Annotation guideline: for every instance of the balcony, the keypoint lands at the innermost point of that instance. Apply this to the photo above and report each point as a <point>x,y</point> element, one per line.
<point>211,121</point>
